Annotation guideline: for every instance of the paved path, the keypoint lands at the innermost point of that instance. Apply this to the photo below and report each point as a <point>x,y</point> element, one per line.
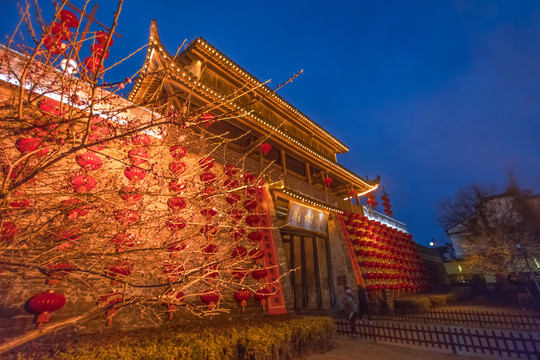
<point>353,348</point>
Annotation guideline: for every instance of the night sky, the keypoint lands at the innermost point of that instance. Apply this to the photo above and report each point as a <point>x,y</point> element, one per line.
<point>431,95</point>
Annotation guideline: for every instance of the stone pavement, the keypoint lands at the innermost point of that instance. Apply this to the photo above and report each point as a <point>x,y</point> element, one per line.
<point>354,348</point>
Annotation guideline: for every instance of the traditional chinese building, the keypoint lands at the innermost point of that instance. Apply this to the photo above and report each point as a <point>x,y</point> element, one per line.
<point>308,189</point>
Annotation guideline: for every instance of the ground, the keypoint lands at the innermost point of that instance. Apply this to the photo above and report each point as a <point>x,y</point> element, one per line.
<point>353,348</point>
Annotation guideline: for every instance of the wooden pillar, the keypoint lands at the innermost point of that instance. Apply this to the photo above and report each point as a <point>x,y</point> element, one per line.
<point>261,162</point>
<point>325,175</point>
<point>284,167</point>
<point>308,174</point>
<point>349,197</point>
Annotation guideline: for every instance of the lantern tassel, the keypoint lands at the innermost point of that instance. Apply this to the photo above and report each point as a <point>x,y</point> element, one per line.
<point>43,317</point>
<point>263,303</point>
<point>243,303</point>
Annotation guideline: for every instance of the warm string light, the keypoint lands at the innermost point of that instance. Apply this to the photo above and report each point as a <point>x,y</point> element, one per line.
<point>249,115</point>
<point>312,202</point>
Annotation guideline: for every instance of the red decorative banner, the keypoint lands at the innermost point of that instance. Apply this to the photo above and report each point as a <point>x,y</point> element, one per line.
<point>350,249</point>
<point>276,302</point>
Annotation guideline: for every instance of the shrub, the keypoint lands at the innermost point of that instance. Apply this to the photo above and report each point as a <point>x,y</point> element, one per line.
<point>418,303</point>
<point>270,340</point>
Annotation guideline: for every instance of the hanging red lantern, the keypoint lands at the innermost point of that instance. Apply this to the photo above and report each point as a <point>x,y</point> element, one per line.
<point>208,177</point>
<point>173,298</point>
<point>240,273</point>
<point>265,148</point>
<point>176,203</point>
<point>44,304</point>
<point>98,51</point>
<point>102,36</point>
<point>250,204</point>
<point>206,163</point>
<point>328,181</point>
<point>239,233</point>
<point>27,145</point>
<point>119,269</point>
<point>69,18</point>
<point>178,152</point>
<point>236,214</point>
<point>92,64</point>
<point>173,270</point>
<point>209,212</point>
<point>126,217</point>
<point>207,119</point>
<point>242,296</point>
<point>259,274</point>
<point>232,199</point>
<point>177,186</point>
<point>130,194</point>
<point>239,252</point>
<point>134,173</point>
<point>262,295</point>
<point>112,300</point>
<point>209,230</point>
<point>209,249</point>
<point>138,156</point>
<point>178,167</point>
<point>51,107</point>
<point>255,236</point>
<point>55,272</point>
<point>19,204</point>
<point>54,45</point>
<point>248,178</point>
<point>253,220</point>
<point>89,161</point>
<point>230,184</point>
<point>83,183</point>
<point>61,31</point>
<point>210,297</point>
<point>352,193</point>
<point>141,139</point>
<point>176,224</point>
<point>123,241</point>
<point>230,170</point>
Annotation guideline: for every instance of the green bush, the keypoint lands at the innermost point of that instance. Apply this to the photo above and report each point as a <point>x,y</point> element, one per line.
<point>413,304</point>
<point>282,339</point>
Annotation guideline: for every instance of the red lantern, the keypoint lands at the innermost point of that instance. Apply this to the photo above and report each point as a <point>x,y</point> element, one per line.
<point>265,148</point>
<point>239,233</point>
<point>236,214</point>
<point>255,236</point>
<point>123,241</point>
<point>239,252</point>
<point>89,161</point>
<point>253,220</point>
<point>83,183</point>
<point>173,270</point>
<point>230,170</point>
<point>176,203</point>
<point>352,193</point>
<point>130,194</point>
<point>248,177</point>
<point>250,204</point>
<point>208,177</point>
<point>126,217</point>
<point>135,173</point>
<point>328,181</point>
<point>98,51</point>
<point>27,145</point>
<point>209,212</point>
<point>54,45</point>
<point>141,139</point>
<point>210,297</point>
<point>178,167</point>
<point>177,187</point>
<point>207,119</point>
<point>92,64</point>
<point>206,163</point>
<point>138,156</point>
<point>258,274</point>
<point>57,271</point>
<point>178,152</point>
<point>44,304</point>
<point>209,249</point>
<point>69,18</point>
<point>262,294</point>
<point>102,36</point>
<point>209,229</point>
<point>230,184</point>
<point>242,296</point>
<point>232,199</point>
<point>61,31</point>
<point>173,298</point>
<point>120,268</point>
<point>176,224</point>
<point>19,204</point>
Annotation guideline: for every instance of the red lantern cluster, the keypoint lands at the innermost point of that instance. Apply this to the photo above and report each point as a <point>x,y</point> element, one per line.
<point>44,304</point>
<point>92,62</point>
<point>388,257</point>
<point>386,204</point>
<point>60,32</point>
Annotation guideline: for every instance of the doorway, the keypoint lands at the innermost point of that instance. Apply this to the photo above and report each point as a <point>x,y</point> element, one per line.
<point>311,283</point>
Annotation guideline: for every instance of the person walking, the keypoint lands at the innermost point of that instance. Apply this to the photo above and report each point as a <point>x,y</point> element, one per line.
<point>349,302</point>
<point>363,304</point>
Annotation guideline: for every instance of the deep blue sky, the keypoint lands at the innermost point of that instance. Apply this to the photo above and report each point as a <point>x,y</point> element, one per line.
<point>431,95</point>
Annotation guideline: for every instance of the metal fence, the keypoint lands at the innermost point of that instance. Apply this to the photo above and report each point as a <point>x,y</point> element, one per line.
<point>489,342</point>
<point>483,319</point>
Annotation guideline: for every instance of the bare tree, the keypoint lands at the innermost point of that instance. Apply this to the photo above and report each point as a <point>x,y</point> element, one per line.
<point>122,203</point>
<point>494,229</point>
